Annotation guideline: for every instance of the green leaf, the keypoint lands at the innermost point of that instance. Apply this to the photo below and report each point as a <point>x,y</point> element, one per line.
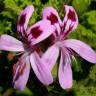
<point>81,6</point>
<point>92,74</point>
<point>25,92</point>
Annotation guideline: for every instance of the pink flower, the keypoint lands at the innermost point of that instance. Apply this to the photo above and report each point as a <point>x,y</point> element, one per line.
<point>35,34</point>
<point>65,46</point>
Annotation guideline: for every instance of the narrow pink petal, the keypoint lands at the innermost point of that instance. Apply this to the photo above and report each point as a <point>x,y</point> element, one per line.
<point>24,19</point>
<point>21,73</point>
<point>51,14</point>
<point>42,72</point>
<point>82,49</point>
<point>9,43</point>
<point>50,56</point>
<point>40,31</point>
<point>70,20</point>
<point>65,72</point>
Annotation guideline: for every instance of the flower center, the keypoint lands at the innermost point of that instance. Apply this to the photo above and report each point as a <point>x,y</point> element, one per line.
<point>59,44</point>
<point>59,38</point>
<point>29,48</point>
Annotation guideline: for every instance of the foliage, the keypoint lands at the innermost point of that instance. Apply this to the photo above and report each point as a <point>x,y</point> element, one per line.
<point>84,73</point>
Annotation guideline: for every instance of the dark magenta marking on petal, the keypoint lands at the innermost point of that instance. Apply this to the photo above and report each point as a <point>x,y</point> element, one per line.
<point>56,32</point>
<point>17,76</point>
<point>64,26</point>
<point>71,15</point>
<point>15,66</point>
<point>69,30</point>
<point>53,18</point>
<point>24,32</point>
<point>36,32</point>
<point>21,71</point>
<point>22,19</point>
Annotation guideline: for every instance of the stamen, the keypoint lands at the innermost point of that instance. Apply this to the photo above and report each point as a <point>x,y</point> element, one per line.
<point>19,53</point>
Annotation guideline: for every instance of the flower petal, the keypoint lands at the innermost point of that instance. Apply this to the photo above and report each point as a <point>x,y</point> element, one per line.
<point>70,20</point>
<point>50,56</point>
<point>24,19</point>
<point>21,73</point>
<point>40,31</point>
<point>9,43</point>
<point>42,72</point>
<point>82,49</point>
<point>51,14</point>
<point>65,72</point>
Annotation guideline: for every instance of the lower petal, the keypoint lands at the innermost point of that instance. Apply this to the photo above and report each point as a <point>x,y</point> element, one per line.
<point>21,73</point>
<point>82,49</point>
<point>42,72</point>
<point>9,43</point>
<point>50,56</point>
<point>65,72</point>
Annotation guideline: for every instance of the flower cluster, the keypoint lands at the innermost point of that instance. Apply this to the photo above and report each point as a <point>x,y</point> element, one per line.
<point>50,25</point>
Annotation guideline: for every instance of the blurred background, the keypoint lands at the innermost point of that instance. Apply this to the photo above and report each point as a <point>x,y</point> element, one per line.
<point>84,73</point>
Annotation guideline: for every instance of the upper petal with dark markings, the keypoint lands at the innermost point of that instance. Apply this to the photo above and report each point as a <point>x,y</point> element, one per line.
<point>40,31</point>
<point>70,21</point>
<point>51,14</point>
<point>24,19</point>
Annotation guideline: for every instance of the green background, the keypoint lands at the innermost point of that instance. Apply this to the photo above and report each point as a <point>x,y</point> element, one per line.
<point>84,73</point>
